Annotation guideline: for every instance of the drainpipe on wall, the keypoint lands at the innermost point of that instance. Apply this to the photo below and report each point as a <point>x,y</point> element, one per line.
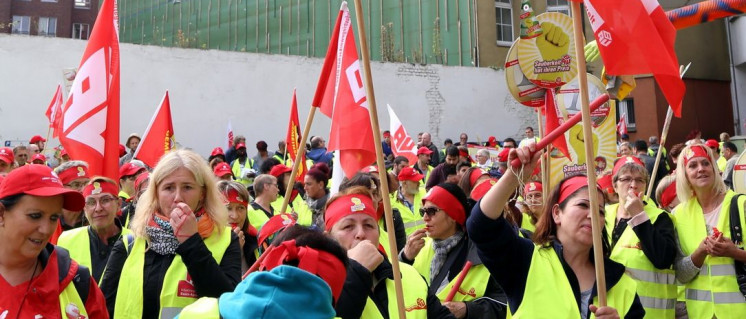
<point>733,80</point>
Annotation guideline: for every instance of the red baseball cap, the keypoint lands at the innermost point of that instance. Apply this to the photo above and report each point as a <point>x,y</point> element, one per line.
<point>129,169</point>
<point>39,180</point>
<point>6,155</point>
<point>241,145</point>
<point>140,179</point>
<point>409,174</point>
<point>712,143</point>
<point>36,139</point>
<point>222,169</point>
<point>122,150</point>
<point>279,169</point>
<point>63,152</point>
<point>424,150</point>
<point>217,151</point>
<point>39,157</point>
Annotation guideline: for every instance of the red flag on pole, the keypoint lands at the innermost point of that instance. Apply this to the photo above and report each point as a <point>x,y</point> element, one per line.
<point>636,37</point>
<point>621,127</point>
<point>90,120</point>
<point>402,144</point>
<point>54,111</point>
<point>344,95</point>
<point>553,121</point>
<point>159,136</point>
<point>292,140</point>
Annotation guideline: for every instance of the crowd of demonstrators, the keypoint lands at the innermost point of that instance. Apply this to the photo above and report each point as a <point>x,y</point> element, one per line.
<point>177,240</point>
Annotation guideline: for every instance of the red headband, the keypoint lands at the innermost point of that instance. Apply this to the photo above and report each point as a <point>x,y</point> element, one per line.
<point>668,195</point>
<point>232,196</point>
<point>447,202</point>
<point>317,262</point>
<point>348,205</point>
<point>475,175</point>
<point>694,152</point>
<point>624,160</point>
<point>532,187</point>
<point>73,173</point>
<point>96,188</point>
<point>571,185</point>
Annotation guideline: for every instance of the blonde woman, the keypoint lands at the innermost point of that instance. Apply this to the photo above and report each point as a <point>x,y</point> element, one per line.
<point>180,248</point>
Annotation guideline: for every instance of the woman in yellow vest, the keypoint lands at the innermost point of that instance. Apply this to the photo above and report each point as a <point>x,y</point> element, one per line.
<point>36,278</point>
<point>703,226</point>
<point>553,276</point>
<point>440,250</point>
<point>90,246</point>
<point>180,248</point>
<point>642,238</point>
<point>368,291</point>
<point>236,202</point>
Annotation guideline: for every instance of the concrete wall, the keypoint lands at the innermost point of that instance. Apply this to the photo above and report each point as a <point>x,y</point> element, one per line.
<point>208,88</point>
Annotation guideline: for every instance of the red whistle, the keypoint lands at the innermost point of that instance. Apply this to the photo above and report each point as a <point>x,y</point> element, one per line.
<point>715,232</point>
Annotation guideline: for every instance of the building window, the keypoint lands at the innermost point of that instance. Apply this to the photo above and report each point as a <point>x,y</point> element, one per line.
<point>558,6</point>
<point>82,4</point>
<point>21,24</point>
<point>47,26</point>
<point>627,106</point>
<point>81,31</point>
<point>48,0</point>
<point>504,22</point>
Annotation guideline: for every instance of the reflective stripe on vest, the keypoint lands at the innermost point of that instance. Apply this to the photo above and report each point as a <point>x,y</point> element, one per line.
<point>548,290</point>
<point>415,296</point>
<point>71,306</point>
<point>297,205</point>
<point>655,287</point>
<point>714,292</point>
<point>177,291</point>
<point>473,286</point>
<point>77,242</point>
<point>203,308</point>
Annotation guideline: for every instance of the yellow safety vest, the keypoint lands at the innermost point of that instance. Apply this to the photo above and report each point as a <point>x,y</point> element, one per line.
<point>177,291</point>
<point>70,297</point>
<point>526,223</point>
<point>383,238</point>
<point>236,168</point>
<point>715,290</point>
<point>299,206</point>
<point>411,219</point>
<point>655,287</point>
<point>549,292</point>
<point>415,296</point>
<point>473,286</point>
<point>203,308</point>
<point>721,163</point>
<point>78,243</point>
<point>257,217</point>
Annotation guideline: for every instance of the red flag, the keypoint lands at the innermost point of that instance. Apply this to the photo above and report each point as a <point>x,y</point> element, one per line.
<point>402,144</point>
<point>90,120</point>
<point>621,127</point>
<point>292,140</point>
<point>159,136</point>
<point>351,132</point>
<point>636,37</point>
<point>553,121</point>
<point>54,111</point>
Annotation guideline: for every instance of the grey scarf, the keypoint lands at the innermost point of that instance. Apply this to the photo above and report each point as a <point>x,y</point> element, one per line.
<point>442,248</point>
<point>162,239</point>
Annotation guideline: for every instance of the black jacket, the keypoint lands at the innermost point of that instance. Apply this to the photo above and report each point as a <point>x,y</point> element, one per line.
<point>209,278</point>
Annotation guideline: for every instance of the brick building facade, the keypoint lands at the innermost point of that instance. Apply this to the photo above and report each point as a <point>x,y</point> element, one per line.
<point>54,18</point>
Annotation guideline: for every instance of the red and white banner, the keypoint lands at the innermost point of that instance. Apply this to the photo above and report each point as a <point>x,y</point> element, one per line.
<point>292,140</point>
<point>341,94</point>
<point>636,37</point>
<point>90,120</point>
<point>401,143</point>
<point>553,116</point>
<point>229,133</point>
<point>621,127</point>
<point>159,136</point>
<point>54,111</point>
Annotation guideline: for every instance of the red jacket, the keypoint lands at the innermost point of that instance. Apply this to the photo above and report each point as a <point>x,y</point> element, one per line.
<point>40,297</point>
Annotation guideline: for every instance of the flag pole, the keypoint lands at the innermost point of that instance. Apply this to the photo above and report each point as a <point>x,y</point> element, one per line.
<point>577,17</point>
<point>544,166</point>
<point>371,97</point>
<point>298,157</point>
<point>49,130</point>
<point>664,135</point>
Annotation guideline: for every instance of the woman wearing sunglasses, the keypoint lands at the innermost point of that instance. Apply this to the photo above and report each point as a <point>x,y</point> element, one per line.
<point>440,250</point>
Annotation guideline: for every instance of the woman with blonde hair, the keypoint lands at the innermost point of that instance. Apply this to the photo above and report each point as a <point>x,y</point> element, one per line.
<point>180,248</point>
<point>703,224</point>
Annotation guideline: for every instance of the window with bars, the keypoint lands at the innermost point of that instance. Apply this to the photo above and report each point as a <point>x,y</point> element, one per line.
<point>48,26</point>
<point>558,6</point>
<point>504,22</point>
<point>21,25</point>
<point>81,31</point>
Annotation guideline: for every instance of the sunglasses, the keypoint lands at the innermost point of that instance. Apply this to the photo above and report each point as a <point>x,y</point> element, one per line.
<point>430,211</point>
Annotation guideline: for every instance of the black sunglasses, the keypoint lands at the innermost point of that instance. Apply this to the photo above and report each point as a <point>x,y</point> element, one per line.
<point>430,211</point>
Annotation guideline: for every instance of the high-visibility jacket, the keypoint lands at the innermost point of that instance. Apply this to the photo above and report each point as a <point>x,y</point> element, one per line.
<point>78,242</point>
<point>257,217</point>
<point>526,223</point>
<point>715,290</point>
<point>297,205</point>
<point>548,290</point>
<point>473,286</point>
<point>410,217</point>
<point>655,287</point>
<point>177,291</point>
<point>721,163</point>
<point>237,169</point>
<point>415,296</point>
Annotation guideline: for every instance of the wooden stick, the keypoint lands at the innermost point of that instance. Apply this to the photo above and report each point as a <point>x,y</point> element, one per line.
<point>458,282</point>
<point>373,111</point>
<point>598,256</point>
<point>664,135</point>
<point>298,156</point>
<point>544,164</point>
<point>46,142</point>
